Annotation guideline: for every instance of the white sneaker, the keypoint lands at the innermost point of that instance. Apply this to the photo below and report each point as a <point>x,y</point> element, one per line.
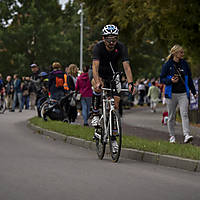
<point>115,146</point>
<point>95,121</point>
<point>97,136</point>
<point>172,139</point>
<point>188,138</point>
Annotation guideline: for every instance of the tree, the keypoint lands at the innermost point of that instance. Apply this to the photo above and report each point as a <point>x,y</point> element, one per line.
<point>163,23</point>
<point>39,33</point>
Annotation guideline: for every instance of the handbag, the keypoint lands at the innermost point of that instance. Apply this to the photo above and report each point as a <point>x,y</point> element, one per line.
<point>73,101</point>
<point>78,97</point>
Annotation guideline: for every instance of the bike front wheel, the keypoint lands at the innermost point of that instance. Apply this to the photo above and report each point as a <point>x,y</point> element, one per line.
<point>115,136</point>
<point>100,143</point>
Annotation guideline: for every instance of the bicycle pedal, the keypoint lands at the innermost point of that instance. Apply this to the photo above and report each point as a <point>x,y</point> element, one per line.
<point>115,133</point>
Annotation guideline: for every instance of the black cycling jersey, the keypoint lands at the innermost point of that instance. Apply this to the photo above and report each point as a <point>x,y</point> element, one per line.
<point>120,53</point>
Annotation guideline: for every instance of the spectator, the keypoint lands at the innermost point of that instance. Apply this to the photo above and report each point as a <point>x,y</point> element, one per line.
<point>176,76</point>
<point>71,80</point>
<point>34,86</point>
<point>66,69</point>
<point>147,86</point>
<point>9,89</point>
<point>84,86</point>
<point>2,89</point>
<point>141,92</point>
<point>56,81</point>
<point>153,94</point>
<point>1,82</point>
<point>25,92</point>
<point>17,93</point>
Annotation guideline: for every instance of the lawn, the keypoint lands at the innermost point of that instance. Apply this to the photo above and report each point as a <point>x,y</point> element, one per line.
<point>156,146</point>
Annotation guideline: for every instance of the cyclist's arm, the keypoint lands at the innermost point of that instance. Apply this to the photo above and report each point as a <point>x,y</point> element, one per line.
<point>128,72</point>
<point>95,70</point>
<point>129,76</point>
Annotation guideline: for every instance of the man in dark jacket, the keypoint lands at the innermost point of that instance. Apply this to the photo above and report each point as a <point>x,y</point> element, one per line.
<point>9,92</point>
<point>17,93</point>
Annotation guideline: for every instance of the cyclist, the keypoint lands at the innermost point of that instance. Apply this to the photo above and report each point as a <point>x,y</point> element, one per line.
<point>106,56</point>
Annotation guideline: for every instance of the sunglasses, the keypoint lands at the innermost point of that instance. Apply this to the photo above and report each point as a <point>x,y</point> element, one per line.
<point>111,40</point>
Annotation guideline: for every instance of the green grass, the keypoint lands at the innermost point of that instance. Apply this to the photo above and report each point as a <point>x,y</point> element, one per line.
<point>160,147</point>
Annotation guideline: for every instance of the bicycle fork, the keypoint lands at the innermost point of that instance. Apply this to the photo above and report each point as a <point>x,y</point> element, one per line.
<point>108,121</point>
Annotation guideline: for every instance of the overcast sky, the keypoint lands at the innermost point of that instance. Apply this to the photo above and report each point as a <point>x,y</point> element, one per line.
<point>63,2</point>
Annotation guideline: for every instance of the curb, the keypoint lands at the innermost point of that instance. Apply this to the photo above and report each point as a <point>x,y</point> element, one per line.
<point>133,154</point>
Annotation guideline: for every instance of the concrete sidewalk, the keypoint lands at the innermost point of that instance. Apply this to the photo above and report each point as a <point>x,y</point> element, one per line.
<point>140,121</point>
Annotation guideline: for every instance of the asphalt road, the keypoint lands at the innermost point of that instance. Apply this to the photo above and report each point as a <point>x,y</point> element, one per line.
<point>36,167</point>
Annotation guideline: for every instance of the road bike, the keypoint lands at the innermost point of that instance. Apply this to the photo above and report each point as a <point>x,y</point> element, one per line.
<point>109,129</point>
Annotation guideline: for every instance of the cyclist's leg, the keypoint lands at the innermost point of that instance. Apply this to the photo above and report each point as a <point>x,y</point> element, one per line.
<point>96,100</point>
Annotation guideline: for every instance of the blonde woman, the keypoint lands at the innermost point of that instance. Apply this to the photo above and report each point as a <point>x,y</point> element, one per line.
<point>73,73</point>
<point>176,75</point>
<point>71,80</point>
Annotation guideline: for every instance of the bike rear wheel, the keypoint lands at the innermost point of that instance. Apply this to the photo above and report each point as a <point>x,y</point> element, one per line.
<point>100,143</point>
<point>115,137</point>
<point>43,109</point>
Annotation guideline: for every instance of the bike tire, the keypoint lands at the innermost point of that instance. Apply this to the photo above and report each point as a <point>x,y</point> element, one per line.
<point>43,108</point>
<point>100,143</point>
<point>2,107</point>
<point>115,136</point>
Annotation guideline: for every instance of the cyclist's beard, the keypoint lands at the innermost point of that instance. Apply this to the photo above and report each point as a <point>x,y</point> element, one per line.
<point>111,46</point>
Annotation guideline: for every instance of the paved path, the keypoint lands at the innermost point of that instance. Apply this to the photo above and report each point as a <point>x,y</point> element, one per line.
<point>34,166</point>
<point>143,123</point>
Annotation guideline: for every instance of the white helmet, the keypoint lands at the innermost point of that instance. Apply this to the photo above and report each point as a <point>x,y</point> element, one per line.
<point>110,29</point>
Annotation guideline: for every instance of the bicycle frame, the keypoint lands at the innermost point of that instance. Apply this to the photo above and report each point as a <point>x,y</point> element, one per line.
<point>109,128</point>
<point>108,103</point>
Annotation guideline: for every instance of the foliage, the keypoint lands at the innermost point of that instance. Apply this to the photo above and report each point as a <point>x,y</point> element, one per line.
<point>157,22</point>
<point>41,32</point>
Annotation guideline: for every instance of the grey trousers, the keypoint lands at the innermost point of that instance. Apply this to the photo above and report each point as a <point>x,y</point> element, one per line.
<point>32,100</point>
<point>172,103</point>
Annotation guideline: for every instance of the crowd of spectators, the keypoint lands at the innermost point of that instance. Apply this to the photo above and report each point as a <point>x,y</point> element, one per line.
<point>27,92</point>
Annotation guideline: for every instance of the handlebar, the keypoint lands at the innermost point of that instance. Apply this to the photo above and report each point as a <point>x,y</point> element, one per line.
<point>108,89</point>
